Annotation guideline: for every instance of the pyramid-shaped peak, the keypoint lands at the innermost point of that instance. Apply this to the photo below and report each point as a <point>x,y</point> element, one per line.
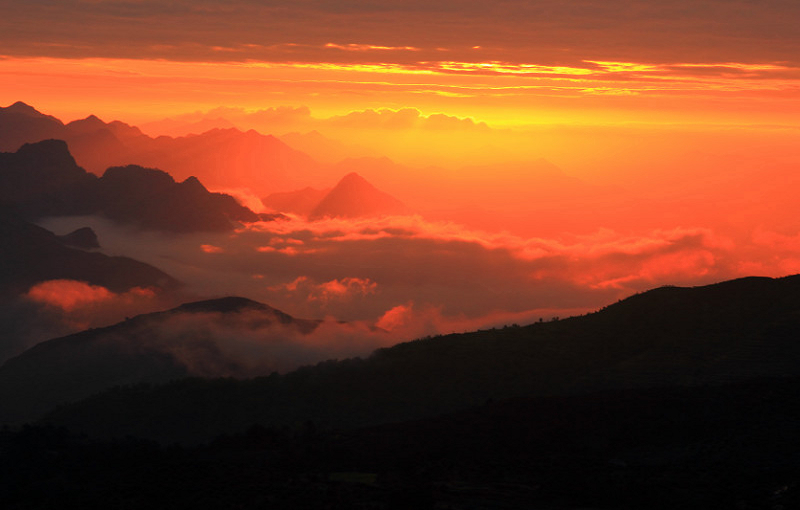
<point>353,197</point>
<point>353,178</point>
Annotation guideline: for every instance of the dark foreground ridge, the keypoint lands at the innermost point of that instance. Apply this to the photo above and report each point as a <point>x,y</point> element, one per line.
<point>149,348</point>
<point>669,337</point>
<point>727,446</point>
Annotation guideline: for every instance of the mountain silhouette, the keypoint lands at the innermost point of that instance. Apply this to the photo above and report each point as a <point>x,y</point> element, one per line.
<point>84,238</point>
<point>152,199</point>
<point>220,158</point>
<point>21,123</point>
<point>42,179</point>
<point>31,254</point>
<point>719,334</point>
<point>301,202</point>
<point>149,348</point>
<point>354,197</point>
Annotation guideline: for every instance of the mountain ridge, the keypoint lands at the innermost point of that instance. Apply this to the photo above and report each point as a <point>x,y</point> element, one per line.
<point>619,347</point>
<point>43,179</point>
<point>147,348</point>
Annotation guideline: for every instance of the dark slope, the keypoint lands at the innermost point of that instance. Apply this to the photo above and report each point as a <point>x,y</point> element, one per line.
<point>354,197</point>
<point>150,198</point>
<point>30,254</point>
<point>721,333</point>
<point>729,446</point>
<point>42,179</point>
<point>84,238</point>
<point>155,347</point>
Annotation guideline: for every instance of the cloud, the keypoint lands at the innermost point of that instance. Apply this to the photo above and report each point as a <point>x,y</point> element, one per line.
<point>342,289</point>
<point>550,30</point>
<point>413,277</point>
<point>56,308</point>
<point>72,296</point>
<point>404,118</point>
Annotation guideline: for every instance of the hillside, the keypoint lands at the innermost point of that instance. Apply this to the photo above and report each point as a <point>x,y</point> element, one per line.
<point>194,339</point>
<point>732,331</point>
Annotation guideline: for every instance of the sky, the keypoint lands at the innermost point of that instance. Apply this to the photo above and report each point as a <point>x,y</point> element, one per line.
<point>507,63</point>
<point>556,156</point>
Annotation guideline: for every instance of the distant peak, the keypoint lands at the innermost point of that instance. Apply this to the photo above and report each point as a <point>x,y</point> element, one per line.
<point>352,177</point>
<point>193,182</point>
<point>23,108</point>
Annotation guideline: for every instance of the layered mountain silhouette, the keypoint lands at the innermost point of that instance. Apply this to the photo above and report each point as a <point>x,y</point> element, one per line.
<point>30,254</point>
<point>301,202</point>
<point>42,179</point>
<point>352,197</point>
<point>84,238</point>
<point>719,334</point>
<point>191,340</point>
<point>220,158</point>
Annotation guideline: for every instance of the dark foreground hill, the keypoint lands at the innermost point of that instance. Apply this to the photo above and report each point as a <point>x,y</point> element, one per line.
<point>729,446</point>
<point>718,334</point>
<point>194,339</point>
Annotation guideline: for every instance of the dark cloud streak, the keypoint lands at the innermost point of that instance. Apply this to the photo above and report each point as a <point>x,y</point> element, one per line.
<point>545,31</point>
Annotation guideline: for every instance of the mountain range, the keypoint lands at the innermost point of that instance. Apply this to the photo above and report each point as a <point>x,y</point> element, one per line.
<point>42,179</point>
<point>220,158</point>
<point>718,334</point>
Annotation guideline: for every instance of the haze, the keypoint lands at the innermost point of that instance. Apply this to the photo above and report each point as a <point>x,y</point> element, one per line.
<point>550,157</point>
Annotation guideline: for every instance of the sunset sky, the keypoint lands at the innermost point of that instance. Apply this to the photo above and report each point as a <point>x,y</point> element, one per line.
<point>558,155</point>
<point>506,63</point>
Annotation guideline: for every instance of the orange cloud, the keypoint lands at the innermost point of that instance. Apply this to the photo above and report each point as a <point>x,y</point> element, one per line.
<point>334,290</point>
<point>369,47</point>
<point>71,295</point>
<point>68,294</point>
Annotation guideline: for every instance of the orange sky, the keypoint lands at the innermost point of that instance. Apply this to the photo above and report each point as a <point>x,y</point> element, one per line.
<point>672,127</point>
<point>505,63</point>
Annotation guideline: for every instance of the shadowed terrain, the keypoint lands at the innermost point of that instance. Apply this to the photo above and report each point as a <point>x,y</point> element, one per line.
<point>732,331</point>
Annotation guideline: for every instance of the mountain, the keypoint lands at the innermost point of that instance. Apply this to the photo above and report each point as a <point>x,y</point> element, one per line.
<point>30,254</point>
<point>301,202</point>
<point>21,123</point>
<point>220,158</point>
<point>718,334</point>
<point>152,199</point>
<point>84,238</point>
<point>42,179</point>
<point>194,339</point>
<point>354,197</point>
